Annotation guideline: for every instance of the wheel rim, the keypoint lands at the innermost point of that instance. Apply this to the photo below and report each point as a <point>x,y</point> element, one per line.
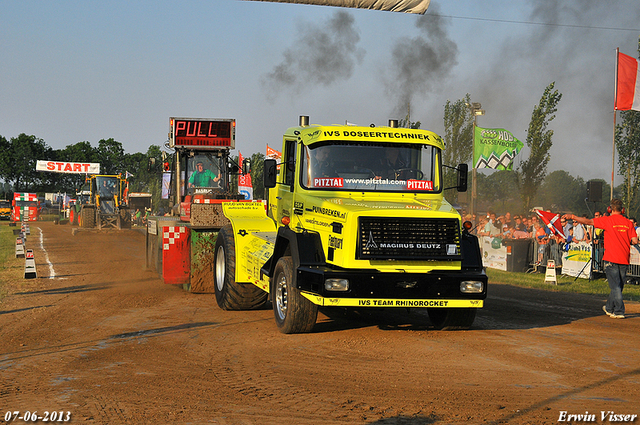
<point>281,297</point>
<point>220,269</point>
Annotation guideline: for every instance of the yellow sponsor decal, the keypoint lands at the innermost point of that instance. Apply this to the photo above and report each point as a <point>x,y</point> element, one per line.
<point>243,206</point>
<point>315,134</point>
<point>386,302</point>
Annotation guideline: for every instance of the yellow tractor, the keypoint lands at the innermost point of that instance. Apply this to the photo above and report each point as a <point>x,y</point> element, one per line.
<point>107,205</point>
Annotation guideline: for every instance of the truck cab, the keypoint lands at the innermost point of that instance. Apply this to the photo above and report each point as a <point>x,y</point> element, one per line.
<point>200,166</point>
<point>359,220</point>
<point>198,171</point>
<point>25,207</point>
<point>5,210</point>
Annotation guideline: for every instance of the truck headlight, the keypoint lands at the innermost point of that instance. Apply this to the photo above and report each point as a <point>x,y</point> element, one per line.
<point>336,284</point>
<point>471,287</point>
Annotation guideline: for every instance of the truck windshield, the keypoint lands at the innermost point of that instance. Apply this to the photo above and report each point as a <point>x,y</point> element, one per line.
<point>23,204</point>
<point>203,171</point>
<point>371,167</point>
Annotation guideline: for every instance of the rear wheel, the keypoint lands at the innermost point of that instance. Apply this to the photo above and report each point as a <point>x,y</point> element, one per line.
<point>293,312</point>
<point>231,295</point>
<point>125,218</point>
<point>448,319</point>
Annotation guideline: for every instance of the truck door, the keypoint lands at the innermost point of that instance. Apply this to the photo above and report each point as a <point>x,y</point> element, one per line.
<point>286,183</point>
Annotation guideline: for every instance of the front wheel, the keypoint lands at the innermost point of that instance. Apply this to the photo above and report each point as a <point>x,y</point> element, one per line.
<point>231,295</point>
<point>293,312</point>
<point>448,319</point>
<point>88,218</point>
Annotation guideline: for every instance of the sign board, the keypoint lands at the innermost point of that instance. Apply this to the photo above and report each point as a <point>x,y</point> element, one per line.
<point>202,133</point>
<point>494,254</point>
<point>19,248</point>
<point>576,260</point>
<point>550,276</point>
<point>68,167</point>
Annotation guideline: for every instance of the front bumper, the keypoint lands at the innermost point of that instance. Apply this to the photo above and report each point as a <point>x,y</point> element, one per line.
<point>370,288</point>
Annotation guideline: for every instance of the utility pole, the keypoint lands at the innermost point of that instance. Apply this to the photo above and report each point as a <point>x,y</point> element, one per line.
<point>476,110</point>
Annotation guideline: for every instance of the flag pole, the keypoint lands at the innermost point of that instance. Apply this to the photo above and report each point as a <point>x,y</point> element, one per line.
<point>615,97</point>
<point>474,174</point>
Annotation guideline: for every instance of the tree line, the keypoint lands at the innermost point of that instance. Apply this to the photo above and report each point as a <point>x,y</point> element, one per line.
<point>517,191</point>
<point>529,185</point>
<point>18,156</point>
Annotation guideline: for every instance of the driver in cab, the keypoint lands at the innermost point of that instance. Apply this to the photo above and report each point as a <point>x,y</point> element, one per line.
<point>320,163</point>
<point>390,163</point>
<point>202,177</point>
<point>107,189</point>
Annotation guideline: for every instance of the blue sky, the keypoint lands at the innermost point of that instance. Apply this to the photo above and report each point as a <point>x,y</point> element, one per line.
<point>74,71</point>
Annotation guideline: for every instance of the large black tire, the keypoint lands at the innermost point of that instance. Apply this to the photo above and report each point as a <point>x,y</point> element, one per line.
<point>87,218</point>
<point>125,219</point>
<point>448,319</point>
<point>293,312</point>
<point>231,295</point>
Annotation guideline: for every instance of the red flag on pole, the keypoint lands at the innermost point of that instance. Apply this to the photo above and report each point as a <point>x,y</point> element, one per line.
<point>244,181</point>
<point>552,221</point>
<point>627,84</point>
<point>273,154</point>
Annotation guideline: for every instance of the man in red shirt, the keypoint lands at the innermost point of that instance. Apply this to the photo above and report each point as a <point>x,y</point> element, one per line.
<point>619,235</point>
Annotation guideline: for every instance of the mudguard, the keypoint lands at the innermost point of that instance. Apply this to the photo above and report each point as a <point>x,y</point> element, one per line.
<point>305,249</point>
<point>254,235</point>
<point>471,255</point>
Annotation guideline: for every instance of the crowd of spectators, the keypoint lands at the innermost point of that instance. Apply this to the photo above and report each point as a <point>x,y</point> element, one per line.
<point>547,245</point>
<point>530,226</point>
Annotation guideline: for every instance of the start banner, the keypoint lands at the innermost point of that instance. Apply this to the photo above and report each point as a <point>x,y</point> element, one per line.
<point>68,167</point>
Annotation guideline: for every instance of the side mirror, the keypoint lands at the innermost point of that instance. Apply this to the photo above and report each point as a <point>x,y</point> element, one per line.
<point>246,166</point>
<point>463,172</point>
<point>270,173</point>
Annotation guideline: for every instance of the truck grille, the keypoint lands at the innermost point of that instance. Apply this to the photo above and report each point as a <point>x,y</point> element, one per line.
<point>381,238</point>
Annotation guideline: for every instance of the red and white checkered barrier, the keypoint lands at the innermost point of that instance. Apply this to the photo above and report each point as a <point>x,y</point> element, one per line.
<point>171,234</point>
<point>176,254</point>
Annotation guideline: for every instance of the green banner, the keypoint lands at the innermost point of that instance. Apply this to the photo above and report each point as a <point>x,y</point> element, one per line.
<point>494,148</point>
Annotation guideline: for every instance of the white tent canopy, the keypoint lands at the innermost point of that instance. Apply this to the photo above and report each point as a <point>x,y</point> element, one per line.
<point>406,6</point>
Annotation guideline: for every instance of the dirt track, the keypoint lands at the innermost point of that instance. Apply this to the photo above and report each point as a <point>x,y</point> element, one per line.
<point>107,341</point>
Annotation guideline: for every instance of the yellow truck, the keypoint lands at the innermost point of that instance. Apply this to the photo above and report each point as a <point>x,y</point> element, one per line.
<point>355,218</point>
<point>5,210</point>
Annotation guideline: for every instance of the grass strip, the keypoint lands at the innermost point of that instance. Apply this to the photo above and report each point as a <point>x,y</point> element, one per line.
<point>597,286</point>
<point>11,268</point>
